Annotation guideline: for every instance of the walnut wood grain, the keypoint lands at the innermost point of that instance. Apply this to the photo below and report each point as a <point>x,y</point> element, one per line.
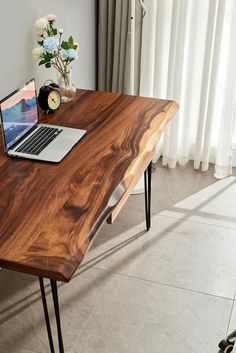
<point>50,213</point>
<point>147,146</point>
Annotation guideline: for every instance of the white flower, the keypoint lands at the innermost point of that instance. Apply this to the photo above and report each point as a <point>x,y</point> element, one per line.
<point>60,30</point>
<point>41,23</point>
<point>37,52</point>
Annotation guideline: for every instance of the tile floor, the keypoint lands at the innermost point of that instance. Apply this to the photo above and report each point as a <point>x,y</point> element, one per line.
<point>169,290</point>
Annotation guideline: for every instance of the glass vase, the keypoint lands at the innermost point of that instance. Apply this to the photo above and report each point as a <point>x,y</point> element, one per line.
<point>66,87</point>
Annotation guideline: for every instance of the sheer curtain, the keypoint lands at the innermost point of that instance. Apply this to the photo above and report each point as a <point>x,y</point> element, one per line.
<point>188,54</point>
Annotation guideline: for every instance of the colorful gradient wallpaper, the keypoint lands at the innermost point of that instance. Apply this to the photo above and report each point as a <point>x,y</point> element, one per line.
<point>19,113</point>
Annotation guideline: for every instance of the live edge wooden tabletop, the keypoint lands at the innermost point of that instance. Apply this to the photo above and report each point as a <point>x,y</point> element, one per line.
<point>50,213</point>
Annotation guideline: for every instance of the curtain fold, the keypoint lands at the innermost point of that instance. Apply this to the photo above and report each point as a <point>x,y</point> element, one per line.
<point>113,34</point>
<point>114,46</point>
<point>185,50</point>
<point>190,57</point>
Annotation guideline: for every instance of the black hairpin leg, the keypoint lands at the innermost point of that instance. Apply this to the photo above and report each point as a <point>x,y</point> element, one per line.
<point>57,314</point>
<point>148,187</point>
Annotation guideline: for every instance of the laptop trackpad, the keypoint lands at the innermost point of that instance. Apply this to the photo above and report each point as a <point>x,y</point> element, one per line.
<point>62,144</point>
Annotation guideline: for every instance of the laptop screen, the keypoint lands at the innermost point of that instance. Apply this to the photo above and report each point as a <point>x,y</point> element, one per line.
<point>19,113</point>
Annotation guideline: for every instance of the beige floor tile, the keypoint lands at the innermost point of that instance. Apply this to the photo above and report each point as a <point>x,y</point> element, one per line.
<point>232,324</point>
<point>107,313</point>
<point>213,205</point>
<point>21,315</point>
<point>191,255</point>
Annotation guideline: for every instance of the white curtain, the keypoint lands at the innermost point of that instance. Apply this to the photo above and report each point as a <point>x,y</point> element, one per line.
<point>189,54</point>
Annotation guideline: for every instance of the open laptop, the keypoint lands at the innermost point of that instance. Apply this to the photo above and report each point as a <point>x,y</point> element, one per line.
<point>24,137</point>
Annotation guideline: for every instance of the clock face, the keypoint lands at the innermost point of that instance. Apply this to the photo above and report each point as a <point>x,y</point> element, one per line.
<point>54,99</point>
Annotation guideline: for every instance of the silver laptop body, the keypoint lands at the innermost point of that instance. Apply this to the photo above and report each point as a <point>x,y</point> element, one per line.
<point>20,123</point>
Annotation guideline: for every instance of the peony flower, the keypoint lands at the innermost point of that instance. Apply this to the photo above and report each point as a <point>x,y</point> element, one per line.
<point>50,44</point>
<point>41,23</point>
<point>37,52</point>
<point>51,18</point>
<point>61,30</point>
<point>70,54</point>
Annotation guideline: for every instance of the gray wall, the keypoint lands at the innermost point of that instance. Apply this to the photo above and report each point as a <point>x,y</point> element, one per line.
<point>18,38</point>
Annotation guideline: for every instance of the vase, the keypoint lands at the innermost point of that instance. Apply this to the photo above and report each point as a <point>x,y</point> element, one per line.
<point>66,87</point>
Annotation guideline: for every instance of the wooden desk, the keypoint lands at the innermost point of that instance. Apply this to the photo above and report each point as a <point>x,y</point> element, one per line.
<point>50,213</point>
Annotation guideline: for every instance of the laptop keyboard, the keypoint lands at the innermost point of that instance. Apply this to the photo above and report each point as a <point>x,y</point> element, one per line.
<point>14,131</point>
<point>39,140</point>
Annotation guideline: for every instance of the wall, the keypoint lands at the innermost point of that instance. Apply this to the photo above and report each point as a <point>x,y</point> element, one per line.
<point>17,39</point>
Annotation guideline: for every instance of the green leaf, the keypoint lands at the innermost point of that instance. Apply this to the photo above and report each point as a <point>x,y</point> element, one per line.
<point>54,31</point>
<point>70,42</point>
<point>48,65</point>
<point>48,56</point>
<point>65,45</point>
<point>40,42</point>
<point>42,62</point>
<point>75,46</point>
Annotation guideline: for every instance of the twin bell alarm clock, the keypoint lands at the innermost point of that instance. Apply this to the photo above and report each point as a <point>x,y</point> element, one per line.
<point>49,97</point>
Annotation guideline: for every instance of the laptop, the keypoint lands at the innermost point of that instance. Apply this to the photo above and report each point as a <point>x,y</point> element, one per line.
<point>24,137</point>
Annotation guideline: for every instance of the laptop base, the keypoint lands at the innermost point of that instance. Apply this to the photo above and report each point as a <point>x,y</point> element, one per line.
<point>57,149</point>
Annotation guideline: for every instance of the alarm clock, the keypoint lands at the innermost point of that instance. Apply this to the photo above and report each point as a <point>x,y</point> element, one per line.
<point>49,97</point>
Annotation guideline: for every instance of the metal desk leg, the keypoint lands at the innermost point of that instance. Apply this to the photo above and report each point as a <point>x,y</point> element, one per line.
<point>148,189</point>
<point>57,314</point>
